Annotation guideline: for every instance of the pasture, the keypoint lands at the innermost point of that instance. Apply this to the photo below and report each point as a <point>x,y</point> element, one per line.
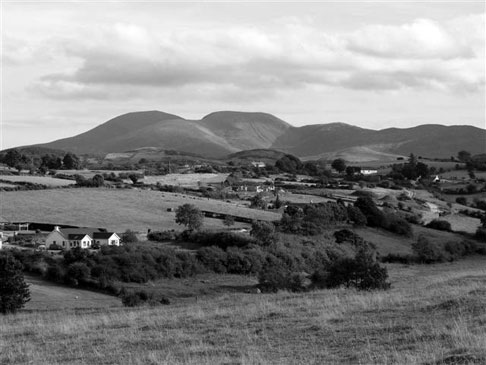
<point>433,314</point>
<point>185,180</point>
<point>42,180</point>
<point>115,209</point>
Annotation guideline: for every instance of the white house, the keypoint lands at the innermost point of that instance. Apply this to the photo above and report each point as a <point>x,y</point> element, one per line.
<point>106,239</point>
<point>68,238</point>
<point>259,164</point>
<point>369,171</point>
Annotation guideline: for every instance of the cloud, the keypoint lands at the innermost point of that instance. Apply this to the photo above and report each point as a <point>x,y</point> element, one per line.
<point>122,59</point>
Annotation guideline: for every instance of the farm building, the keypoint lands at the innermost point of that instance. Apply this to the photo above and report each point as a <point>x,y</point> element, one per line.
<point>106,238</point>
<point>68,238</point>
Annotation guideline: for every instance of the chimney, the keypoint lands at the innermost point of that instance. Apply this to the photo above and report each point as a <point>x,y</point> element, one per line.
<point>56,228</point>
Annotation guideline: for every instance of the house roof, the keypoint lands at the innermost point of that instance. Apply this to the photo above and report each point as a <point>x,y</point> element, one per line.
<point>102,235</point>
<point>77,236</point>
<point>68,232</point>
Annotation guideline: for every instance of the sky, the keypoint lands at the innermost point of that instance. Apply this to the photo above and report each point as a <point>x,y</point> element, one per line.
<point>68,66</point>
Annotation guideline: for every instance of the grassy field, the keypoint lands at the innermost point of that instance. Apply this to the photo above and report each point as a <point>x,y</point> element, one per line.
<point>115,209</point>
<point>49,296</point>
<point>432,315</point>
<point>185,180</point>
<point>43,180</point>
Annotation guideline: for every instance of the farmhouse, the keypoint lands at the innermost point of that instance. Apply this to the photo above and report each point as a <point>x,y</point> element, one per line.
<point>369,171</point>
<point>106,238</point>
<point>259,164</point>
<point>68,238</point>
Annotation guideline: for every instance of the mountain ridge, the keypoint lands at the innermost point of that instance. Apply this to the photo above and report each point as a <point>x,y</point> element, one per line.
<point>222,133</point>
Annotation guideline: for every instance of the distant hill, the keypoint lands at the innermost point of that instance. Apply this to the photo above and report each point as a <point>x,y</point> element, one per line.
<point>223,133</point>
<point>215,135</point>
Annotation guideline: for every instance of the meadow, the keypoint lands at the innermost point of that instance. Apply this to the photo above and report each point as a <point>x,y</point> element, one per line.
<point>115,209</point>
<point>433,314</point>
<point>42,180</point>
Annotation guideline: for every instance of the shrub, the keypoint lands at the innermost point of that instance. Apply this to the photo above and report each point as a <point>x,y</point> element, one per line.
<point>356,216</point>
<point>440,225</point>
<point>362,272</point>
<point>481,234</point>
<point>400,226</point>
<point>374,216</point>
<point>55,273</point>
<point>129,237</point>
<point>273,278</point>
<point>427,252</point>
<point>213,258</point>
<point>77,272</point>
<point>461,200</point>
<point>264,232</point>
<point>162,236</point>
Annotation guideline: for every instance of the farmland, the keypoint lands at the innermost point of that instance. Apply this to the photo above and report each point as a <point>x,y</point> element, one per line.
<point>115,209</point>
<point>433,314</point>
<point>42,180</point>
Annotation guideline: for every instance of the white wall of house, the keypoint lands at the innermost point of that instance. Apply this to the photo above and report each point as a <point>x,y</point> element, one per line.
<point>85,242</point>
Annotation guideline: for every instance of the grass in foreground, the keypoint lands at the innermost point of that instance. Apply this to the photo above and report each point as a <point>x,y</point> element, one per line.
<point>433,315</point>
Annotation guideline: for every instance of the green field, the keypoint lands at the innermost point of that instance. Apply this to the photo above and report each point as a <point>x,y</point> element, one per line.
<point>49,296</point>
<point>43,180</point>
<point>114,209</point>
<point>434,314</point>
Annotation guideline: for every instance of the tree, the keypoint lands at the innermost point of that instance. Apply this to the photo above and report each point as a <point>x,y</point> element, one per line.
<point>129,237</point>
<point>14,291</point>
<point>189,216</point>
<point>70,161</point>
<point>98,180</point>
<point>12,158</point>
<point>133,177</point>
<point>264,232</point>
<point>464,156</point>
<point>228,221</point>
<point>258,202</point>
<point>290,164</point>
<point>339,165</point>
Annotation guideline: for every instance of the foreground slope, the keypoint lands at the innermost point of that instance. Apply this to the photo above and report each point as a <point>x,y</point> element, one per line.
<point>432,315</point>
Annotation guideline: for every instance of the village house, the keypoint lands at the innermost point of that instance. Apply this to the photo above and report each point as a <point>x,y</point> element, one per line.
<point>68,238</point>
<point>259,164</point>
<point>106,239</point>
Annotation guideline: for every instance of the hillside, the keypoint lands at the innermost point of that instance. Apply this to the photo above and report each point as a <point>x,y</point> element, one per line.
<point>327,140</point>
<point>434,314</point>
<point>222,133</point>
<point>215,135</point>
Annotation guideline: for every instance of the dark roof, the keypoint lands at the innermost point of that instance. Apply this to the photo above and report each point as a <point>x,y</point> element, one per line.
<point>102,235</point>
<point>76,236</point>
<point>66,232</point>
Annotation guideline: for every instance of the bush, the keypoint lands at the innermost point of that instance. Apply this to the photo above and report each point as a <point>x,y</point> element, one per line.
<point>400,226</point>
<point>362,272</point>
<point>129,237</point>
<point>440,225</point>
<point>162,236</point>
<point>461,200</point>
<point>356,216</point>
<point>273,278</point>
<point>264,232</point>
<point>481,234</point>
<point>213,259</point>
<point>427,252</point>
<point>14,291</point>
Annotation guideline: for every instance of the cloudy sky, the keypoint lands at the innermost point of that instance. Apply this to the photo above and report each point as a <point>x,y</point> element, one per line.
<point>69,66</point>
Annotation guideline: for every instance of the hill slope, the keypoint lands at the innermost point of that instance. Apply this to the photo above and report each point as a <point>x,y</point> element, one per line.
<point>221,133</point>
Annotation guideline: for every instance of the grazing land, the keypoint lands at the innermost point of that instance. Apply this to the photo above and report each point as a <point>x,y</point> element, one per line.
<point>115,209</point>
<point>46,295</point>
<point>42,180</point>
<point>434,314</point>
<point>185,180</point>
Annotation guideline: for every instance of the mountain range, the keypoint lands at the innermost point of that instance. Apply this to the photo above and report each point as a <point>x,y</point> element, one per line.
<point>222,133</point>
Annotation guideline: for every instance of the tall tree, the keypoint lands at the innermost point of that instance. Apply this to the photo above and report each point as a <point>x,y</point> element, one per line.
<point>14,291</point>
<point>70,161</point>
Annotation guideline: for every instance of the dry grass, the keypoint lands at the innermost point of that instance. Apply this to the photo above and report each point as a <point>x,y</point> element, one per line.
<point>116,210</point>
<point>432,315</point>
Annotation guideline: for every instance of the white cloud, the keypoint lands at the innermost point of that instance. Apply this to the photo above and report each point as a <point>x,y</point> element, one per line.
<point>256,60</point>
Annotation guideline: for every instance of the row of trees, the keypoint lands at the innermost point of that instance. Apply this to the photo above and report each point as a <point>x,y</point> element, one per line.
<point>14,158</point>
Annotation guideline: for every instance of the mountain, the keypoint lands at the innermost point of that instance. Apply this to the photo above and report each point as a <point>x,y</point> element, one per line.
<point>226,132</point>
<point>431,140</point>
<point>216,135</point>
